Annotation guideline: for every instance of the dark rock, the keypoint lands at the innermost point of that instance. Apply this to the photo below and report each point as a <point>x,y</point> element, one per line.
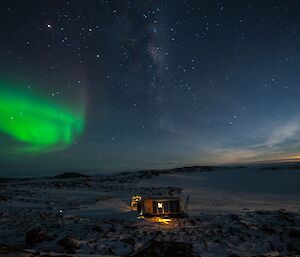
<point>3,198</point>
<point>128,240</point>
<point>193,222</point>
<point>70,244</point>
<point>292,247</point>
<point>234,230</point>
<point>70,175</point>
<point>294,233</point>
<point>98,229</point>
<point>287,217</point>
<point>158,233</point>
<point>268,229</point>
<point>262,212</point>
<point>36,236</point>
<point>234,217</point>
<point>112,229</point>
<point>233,255</point>
<point>165,249</point>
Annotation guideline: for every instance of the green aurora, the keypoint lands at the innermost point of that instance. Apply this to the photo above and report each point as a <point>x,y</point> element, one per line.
<point>36,125</point>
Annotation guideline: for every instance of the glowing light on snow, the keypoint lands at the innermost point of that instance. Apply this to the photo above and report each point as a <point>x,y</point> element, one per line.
<point>164,220</point>
<point>38,125</point>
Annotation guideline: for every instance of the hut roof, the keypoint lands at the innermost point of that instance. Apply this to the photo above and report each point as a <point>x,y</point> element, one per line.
<point>161,198</point>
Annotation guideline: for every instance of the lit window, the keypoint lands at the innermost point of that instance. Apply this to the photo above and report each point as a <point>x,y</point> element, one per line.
<point>159,205</point>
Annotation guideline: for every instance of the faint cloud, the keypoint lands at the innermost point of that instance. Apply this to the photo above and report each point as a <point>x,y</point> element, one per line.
<point>280,142</point>
<point>234,155</point>
<point>282,134</point>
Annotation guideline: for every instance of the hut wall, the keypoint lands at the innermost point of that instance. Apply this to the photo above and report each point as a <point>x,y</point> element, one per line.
<point>147,206</point>
<point>161,206</point>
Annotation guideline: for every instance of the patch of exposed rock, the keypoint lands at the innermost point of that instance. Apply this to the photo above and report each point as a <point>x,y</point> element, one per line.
<point>69,244</point>
<point>70,175</point>
<point>36,236</point>
<point>166,249</point>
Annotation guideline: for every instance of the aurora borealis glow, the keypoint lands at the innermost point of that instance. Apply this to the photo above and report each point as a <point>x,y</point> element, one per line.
<point>39,125</point>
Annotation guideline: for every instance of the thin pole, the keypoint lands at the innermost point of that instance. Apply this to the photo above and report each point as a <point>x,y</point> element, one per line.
<point>186,204</point>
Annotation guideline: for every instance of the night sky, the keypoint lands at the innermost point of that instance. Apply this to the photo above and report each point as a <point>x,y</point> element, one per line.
<point>103,86</point>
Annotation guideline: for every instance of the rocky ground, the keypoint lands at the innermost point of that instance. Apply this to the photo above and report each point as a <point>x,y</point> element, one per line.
<point>90,216</point>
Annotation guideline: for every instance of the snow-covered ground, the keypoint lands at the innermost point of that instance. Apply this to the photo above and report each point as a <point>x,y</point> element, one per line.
<point>246,211</point>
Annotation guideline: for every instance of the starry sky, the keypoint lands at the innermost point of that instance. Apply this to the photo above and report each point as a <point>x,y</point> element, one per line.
<point>101,86</point>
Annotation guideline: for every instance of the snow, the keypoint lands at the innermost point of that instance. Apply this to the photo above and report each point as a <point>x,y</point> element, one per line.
<point>242,210</point>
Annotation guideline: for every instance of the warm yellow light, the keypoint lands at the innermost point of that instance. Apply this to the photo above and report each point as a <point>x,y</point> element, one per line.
<point>134,202</point>
<point>294,157</point>
<point>164,220</point>
<point>159,205</point>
